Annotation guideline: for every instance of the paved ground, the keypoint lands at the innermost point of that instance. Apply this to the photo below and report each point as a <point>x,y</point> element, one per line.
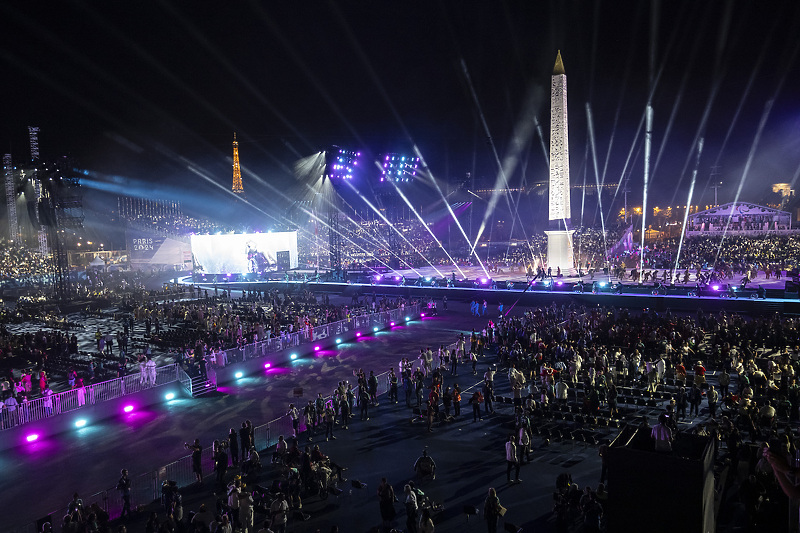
<point>470,456</point>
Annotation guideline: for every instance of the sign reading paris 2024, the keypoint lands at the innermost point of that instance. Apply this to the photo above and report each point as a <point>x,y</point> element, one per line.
<point>244,252</point>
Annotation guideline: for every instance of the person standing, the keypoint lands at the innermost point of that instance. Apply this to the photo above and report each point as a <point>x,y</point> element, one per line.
<point>411,509</point>
<point>491,510</point>
<point>512,461</point>
<point>151,371</point>
<point>447,401</point>
<point>476,401</point>
<point>695,398</point>
<point>246,513</point>
<point>724,381</point>
<point>220,463</point>
<point>295,416</point>
<point>363,402</point>
<point>392,379</point>
<point>279,512</point>
<point>328,421</point>
<point>386,503</point>
<point>233,446</point>
<point>344,406</point>
<point>662,435</point>
<point>713,398</point>
<point>124,487</point>
<point>244,441</point>
<point>456,401</point>
<point>197,454</point>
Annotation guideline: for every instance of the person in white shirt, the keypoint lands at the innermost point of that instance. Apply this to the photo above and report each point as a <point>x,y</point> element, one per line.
<point>512,461</point>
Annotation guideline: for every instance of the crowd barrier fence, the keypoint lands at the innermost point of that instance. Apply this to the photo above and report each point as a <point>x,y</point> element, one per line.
<point>147,487</point>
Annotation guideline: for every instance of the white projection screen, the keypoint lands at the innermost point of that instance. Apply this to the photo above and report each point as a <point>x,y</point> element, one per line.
<point>244,252</point>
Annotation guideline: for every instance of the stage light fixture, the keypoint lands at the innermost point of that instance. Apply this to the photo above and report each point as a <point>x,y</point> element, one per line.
<point>338,341</point>
<point>81,422</point>
<point>267,365</point>
<point>715,287</point>
<point>32,437</point>
<point>316,348</point>
<point>293,356</point>
<point>358,333</point>
<point>238,375</point>
<point>169,396</point>
<point>128,409</point>
<point>375,328</point>
<point>391,323</point>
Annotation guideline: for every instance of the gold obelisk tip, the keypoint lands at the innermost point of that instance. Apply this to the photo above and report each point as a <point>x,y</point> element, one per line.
<point>559,68</point>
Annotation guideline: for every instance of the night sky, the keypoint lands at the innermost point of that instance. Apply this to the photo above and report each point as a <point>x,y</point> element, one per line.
<point>146,95</point>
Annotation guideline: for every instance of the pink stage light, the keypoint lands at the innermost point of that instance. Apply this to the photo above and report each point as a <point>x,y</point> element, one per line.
<point>32,437</point>
<point>358,334</point>
<point>128,408</point>
<point>391,323</point>
<point>422,315</point>
<point>316,348</point>
<point>267,365</point>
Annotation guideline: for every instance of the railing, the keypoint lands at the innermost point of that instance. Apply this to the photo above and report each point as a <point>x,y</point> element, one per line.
<point>360,322</point>
<point>74,399</point>
<point>64,402</point>
<point>146,488</point>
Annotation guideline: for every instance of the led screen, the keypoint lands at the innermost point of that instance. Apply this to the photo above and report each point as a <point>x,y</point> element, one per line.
<point>244,252</point>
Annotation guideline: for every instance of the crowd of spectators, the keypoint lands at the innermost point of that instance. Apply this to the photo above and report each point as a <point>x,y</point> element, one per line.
<point>21,266</point>
<point>734,255</point>
<point>738,374</point>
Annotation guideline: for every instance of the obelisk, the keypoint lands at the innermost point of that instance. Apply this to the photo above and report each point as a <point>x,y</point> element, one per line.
<point>559,237</point>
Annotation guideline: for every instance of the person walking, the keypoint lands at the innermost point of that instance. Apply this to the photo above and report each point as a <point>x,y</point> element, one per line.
<point>491,510</point>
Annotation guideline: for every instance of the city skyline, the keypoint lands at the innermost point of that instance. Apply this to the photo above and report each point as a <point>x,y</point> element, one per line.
<point>147,97</point>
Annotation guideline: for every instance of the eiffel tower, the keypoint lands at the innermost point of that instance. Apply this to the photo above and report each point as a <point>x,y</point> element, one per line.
<point>237,171</point>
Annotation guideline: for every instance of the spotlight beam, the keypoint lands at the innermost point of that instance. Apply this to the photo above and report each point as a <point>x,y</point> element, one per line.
<point>757,139</point>
<point>449,209</point>
<point>386,220</point>
<point>686,211</point>
<point>419,217</point>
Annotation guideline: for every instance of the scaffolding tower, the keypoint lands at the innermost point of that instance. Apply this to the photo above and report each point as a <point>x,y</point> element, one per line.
<point>11,198</point>
<point>33,133</point>
<point>61,208</point>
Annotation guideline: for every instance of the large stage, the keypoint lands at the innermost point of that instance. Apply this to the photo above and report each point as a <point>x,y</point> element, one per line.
<point>562,292</point>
